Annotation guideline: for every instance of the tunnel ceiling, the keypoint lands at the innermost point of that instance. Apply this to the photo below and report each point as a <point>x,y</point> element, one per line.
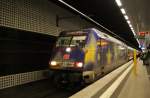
<point>108,14</point>
<point>138,12</point>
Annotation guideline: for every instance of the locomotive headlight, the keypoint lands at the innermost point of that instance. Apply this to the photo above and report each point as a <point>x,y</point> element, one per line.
<point>79,64</point>
<point>68,49</point>
<point>53,63</point>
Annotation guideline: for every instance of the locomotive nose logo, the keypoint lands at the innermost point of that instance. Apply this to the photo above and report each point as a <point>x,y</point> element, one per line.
<point>66,56</point>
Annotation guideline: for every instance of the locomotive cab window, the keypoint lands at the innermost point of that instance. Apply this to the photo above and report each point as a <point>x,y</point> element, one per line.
<point>63,41</point>
<point>78,41</point>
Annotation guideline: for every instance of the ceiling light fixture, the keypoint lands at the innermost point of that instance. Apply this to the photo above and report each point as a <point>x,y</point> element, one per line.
<point>130,25</point>
<point>128,22</point>
<point>123,11</point>
<point>133,33</point>
<point>138,42</point>
<point>126,17</point>
<point>118,3</point>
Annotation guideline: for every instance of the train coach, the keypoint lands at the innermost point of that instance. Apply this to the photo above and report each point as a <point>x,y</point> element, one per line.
<point>85,55</point>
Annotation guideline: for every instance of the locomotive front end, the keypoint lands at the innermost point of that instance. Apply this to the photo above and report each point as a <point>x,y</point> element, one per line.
<point>67,63</point>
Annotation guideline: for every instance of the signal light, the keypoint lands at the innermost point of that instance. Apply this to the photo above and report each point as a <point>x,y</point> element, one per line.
<point>68,49</point>
<point>53,63</point>
<point>79,64</point>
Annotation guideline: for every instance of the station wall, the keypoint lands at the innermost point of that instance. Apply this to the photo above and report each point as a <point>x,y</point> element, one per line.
<point>38,16</point>
<point>28,32</point>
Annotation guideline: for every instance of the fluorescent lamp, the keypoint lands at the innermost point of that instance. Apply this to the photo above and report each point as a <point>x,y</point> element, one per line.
<point>133,33</point>
<point>130,25</point>
<point>118,3</point>
<point>128,22</point>
<point>123,11</point>
<point>138,41</point>
<point>126,17</point>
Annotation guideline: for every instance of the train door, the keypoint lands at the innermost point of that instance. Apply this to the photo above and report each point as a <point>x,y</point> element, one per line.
<point>98,66</point>
<point>107,49</point>
<point>121,54</point>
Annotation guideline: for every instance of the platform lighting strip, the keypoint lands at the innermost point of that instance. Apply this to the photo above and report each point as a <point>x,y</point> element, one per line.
<point>119,3</point>
<point>123,11</point>
<point>127,18</point>
<point>89,17</point>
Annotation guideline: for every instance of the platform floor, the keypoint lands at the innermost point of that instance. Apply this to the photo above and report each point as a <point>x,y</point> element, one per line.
<point>137,86</point>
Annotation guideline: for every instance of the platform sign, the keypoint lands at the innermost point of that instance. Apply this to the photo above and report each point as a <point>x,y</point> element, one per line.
<point>144,39</point>
<point>142,35</point>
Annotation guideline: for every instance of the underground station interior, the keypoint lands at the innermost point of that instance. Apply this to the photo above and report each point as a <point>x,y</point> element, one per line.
<point>74,49</point>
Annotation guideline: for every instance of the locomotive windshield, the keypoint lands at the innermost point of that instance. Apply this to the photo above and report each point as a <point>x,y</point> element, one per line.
<point>71,41</point>
<point>63,41</point>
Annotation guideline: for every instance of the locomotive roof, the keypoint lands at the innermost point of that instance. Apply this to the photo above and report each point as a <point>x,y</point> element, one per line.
<point>107,37</point>
<point>110,38</point>
<point>99,33</point>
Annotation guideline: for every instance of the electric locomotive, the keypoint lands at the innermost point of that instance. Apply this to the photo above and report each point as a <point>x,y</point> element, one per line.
<point>85,55</point>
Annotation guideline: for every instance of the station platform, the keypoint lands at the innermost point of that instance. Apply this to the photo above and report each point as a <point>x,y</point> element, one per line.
<point>137,84</point>
<point>127,81</point>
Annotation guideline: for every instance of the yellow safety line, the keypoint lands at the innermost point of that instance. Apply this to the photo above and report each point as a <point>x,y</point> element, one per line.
<point>135,63</point>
